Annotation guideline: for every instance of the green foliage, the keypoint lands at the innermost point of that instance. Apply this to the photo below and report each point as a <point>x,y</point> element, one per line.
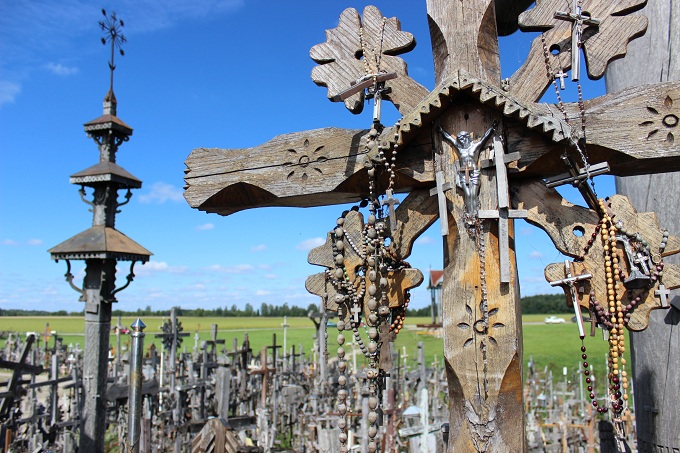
<point>544,304</point>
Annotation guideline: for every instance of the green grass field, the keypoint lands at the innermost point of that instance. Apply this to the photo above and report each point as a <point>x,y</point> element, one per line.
<point>549,345</point>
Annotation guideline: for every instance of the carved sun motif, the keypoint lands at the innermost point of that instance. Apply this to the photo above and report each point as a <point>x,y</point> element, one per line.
<point>305,162</point>
<point>479,326</point>
<point>665,121</point>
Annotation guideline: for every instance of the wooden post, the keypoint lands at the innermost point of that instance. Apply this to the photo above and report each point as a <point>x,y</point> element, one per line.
<point>655,351</point>
<point>482,332</point>
<point>480,297</point>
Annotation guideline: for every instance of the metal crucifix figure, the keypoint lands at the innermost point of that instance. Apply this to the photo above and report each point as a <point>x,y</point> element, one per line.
<point>467,178</point>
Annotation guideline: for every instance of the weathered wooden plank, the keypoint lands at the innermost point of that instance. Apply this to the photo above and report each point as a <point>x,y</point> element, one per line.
<point>637,127</point>
<point>286,171</point>
<point>325,166</point>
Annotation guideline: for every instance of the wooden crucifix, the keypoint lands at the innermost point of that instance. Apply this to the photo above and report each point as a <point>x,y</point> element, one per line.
<point>481,313</point>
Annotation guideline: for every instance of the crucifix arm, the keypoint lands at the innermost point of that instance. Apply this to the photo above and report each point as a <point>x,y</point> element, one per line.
<point>488,134</point>
<point>453,141</point>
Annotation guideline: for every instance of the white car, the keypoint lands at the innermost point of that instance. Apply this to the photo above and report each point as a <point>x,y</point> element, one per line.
<point>554,320</point>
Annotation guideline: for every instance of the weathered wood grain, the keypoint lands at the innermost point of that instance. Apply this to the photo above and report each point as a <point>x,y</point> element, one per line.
<point>601,43</point>
<point>290,170</point>
<point>568,226</point>
<point>655,57</point>
<point>340,63</point>
<point>482,336</point>
<point>400,281</point>
<point>638,127</point>
<point>464,37</point>
<point>326,166</point>
<point>593,263</point>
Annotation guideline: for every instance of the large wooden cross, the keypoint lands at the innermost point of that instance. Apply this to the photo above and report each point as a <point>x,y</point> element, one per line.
<point>633,131</point>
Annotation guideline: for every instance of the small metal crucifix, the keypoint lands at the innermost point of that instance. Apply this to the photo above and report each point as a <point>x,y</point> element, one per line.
<point>570,281</point>
<point>578,20</point>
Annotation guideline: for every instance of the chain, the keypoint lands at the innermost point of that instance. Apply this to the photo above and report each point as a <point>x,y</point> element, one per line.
<point>377,57</point>
<point>582,151</point>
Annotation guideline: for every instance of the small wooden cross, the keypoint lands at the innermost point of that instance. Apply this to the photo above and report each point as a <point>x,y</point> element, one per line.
<point>440,190</point>
<point>663,294</point>
<point>578,20</point>
<point>561,75</point>
<point>355,313</point>
<point>569,280</point>
<point>391,202</point>
<point>503,213</point>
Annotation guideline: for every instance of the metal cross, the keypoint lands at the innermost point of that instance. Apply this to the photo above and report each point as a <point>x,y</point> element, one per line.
<point>663,294</point>
<point>363,83</point>
<point>113,33</point>
<point>355,313</point>
<point>561,75</point>
<point>391,202</point>
<point>638,278</point>
<point>504,212</point>
<point>578,178</point>
<point>440,190</point>
<point>578,20</point>
<point>569,280</point>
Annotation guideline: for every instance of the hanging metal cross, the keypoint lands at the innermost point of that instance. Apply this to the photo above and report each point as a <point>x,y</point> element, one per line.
<point>662,293</point>
<point>578,20</point>
<point>391,202</point>
<point>561,75</point>
<point>570,281</point>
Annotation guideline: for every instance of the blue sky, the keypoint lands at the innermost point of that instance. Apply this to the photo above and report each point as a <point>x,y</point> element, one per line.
<point>197,73</point>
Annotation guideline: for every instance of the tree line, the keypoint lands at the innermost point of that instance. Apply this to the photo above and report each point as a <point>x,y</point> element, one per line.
<point>539,304</point>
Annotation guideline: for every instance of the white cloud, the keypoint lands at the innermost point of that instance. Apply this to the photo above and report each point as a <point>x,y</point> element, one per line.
<point>536,255</point>
<point>309,244</point>
<point>34,242</point>
<point>162,192</point>
<point>424,240</point>
<point>205,227</point>
<point>158,267</point>
<point>258,248</point>
<point>61,70</point>
<point>9,242</point>
<point>235,269</point>
<point>8,91</point>
<point>271,276</point>
<point>526,231</point>
<point>261,292</point>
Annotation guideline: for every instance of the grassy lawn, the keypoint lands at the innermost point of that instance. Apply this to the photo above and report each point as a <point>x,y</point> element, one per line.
<point>549,345</point>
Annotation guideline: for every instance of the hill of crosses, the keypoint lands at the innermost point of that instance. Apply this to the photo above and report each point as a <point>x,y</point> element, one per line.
<point>476,152</point>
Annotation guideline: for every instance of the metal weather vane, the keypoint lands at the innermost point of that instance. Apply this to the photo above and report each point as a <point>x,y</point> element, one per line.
<point>112,27</point>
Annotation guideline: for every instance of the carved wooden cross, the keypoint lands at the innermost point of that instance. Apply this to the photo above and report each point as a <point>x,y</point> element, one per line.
<point>482,334</point>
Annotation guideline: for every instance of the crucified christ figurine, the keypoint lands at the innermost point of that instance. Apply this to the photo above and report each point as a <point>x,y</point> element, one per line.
<point>468,151</point>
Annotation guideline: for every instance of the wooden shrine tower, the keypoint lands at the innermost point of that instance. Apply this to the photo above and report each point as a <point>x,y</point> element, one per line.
<point>476,182</point>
